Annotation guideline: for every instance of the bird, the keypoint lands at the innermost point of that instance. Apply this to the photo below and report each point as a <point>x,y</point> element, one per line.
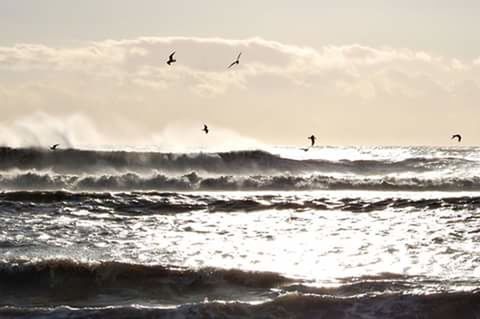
<point>312,138</point>
<point>171,59</point>
<point>457,136</point>
<point>237,61</point>
<point>205,128</point>
<point>54,147</point>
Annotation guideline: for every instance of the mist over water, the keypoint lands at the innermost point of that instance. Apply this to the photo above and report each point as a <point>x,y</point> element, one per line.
<point>40,130</point>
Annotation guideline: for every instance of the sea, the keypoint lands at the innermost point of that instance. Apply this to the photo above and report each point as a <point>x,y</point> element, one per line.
<point>277,232</point>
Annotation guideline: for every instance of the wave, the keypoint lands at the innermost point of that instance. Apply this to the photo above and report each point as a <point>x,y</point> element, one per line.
<point>108,289</point>
<point>63,281</point>
<point>195,182</point>
<point>444,305</point>
<point>65,271</point>
<point>17,276</point>
<point>73,161</point>
<point>141,203</point>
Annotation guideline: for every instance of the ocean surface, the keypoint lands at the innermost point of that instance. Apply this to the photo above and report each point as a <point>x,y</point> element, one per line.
<point>333,232</point>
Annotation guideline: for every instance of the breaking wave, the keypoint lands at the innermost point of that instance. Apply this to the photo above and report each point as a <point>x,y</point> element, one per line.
<point>194,182</point>
<point>72,161</point>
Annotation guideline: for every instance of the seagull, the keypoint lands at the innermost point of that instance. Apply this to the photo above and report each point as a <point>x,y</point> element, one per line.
<point>171,59</point>
<point>312,138</point>
<point>457,136</point>
<point>205,128</point>
<point>237,61</point>
<point>54,147</point>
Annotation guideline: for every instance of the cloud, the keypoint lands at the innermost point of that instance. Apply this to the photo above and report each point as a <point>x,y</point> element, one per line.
<point>202,62</point>
<point>129,79</point>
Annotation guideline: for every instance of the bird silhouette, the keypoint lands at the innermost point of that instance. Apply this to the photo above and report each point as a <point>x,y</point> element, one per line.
<point>312,138</point>
<point>205,128</point>
<point>237,61</point>
<point>457,136</point>
<point>54,147</point>
<point>171,59</point>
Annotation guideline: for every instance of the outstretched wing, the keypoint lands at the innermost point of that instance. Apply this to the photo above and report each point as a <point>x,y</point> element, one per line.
<point>239,55</point>
<point>170,57</point>
<point>232,64</point>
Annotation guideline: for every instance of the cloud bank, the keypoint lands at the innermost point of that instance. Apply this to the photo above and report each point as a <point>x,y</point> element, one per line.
<point>346,94</point>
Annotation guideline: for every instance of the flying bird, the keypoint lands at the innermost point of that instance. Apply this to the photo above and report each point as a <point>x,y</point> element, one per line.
<point>237,61</point>
<point>205,128</point>
<point>171,59</point>
<point>312,138</point>
<point>54,147</point>
<point>457,136</point>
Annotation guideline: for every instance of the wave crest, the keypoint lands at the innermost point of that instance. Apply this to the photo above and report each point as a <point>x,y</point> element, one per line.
<point>194,182</point>
<point>72,161</point>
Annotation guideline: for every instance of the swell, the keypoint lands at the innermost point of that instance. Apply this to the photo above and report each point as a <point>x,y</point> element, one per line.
<point>168,203</point>
<point>53,283</point>
<point>236,162</point>
<point>445,305</point>
<point>195,182</point>
<point>61,271</point>
<point>59,281</point>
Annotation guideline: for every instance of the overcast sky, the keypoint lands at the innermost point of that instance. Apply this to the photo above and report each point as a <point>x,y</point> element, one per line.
<point>384,72</point>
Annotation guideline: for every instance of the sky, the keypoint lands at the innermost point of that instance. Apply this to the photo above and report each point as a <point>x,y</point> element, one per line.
<point>351,72</point>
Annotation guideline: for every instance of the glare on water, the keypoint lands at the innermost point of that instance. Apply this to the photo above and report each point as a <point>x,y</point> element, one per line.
<point>322,246</point>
